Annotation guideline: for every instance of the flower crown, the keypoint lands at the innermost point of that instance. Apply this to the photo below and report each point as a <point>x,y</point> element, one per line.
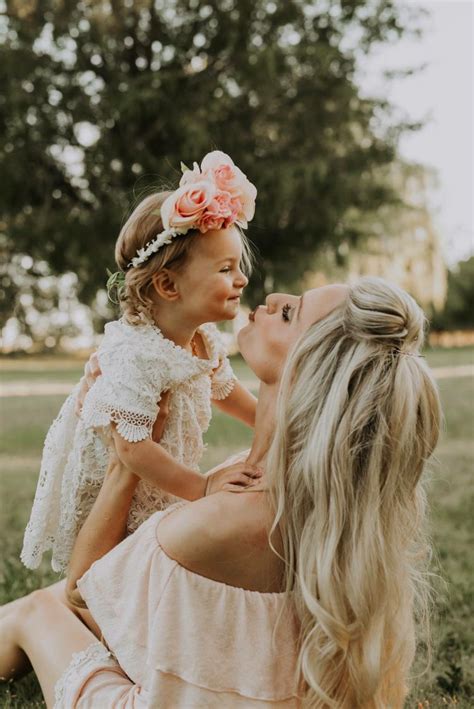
<point>213,196</point>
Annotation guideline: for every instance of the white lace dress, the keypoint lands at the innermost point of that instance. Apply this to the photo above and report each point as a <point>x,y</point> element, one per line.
<point>138,364</point>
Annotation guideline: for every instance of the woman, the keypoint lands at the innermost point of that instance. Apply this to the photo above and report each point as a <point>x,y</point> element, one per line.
<point>331,537</point>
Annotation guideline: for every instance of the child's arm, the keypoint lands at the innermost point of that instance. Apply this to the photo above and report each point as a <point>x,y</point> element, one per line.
<point>151,462</point>
<point>240,403</point>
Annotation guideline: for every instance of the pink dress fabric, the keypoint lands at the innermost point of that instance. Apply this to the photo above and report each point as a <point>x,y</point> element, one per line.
<point>179,639</point>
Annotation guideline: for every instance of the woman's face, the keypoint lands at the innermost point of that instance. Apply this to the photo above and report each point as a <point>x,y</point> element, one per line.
<point>275,327</point>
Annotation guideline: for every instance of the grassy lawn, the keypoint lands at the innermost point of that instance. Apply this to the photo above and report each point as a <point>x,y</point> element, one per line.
<point>24,422</point>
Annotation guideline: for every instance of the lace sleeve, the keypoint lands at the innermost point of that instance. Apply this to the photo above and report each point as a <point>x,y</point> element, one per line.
<point>223,378</point>
<point>129,390</point>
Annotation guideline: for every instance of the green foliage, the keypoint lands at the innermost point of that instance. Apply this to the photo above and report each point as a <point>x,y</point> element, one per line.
<point>459,308</point>
<point>101,102</point>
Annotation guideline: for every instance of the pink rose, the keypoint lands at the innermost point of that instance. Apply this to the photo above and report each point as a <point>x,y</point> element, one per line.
<point>216,213</point>
<point>223,202</point>
<point>234,209</point>
<point>224,172</point>
<point>184,208</point>
<point>230,179</point>
<point>210,222</point>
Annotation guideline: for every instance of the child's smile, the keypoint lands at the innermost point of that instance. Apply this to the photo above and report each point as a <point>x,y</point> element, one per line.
<point>212,281</point>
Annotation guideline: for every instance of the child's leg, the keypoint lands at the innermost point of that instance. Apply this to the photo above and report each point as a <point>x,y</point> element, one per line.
<point>41,631</point>
<point>58,590</point>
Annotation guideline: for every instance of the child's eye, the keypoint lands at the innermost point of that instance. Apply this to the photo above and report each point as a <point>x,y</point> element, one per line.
<point>285,312</point>
<point>225,270</point>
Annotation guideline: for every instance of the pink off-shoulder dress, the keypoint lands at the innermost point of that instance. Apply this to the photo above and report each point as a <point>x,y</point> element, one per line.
<point>176,639</point>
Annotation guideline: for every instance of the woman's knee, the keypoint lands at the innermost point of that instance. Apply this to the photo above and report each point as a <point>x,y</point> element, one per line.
<point>19,616</point>
<point>38,604</point>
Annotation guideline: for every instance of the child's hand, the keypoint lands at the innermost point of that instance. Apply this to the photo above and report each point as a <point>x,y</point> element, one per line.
<point>233,478</point>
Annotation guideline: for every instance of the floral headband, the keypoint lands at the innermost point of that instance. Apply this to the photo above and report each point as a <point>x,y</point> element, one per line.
<point>213,196</point>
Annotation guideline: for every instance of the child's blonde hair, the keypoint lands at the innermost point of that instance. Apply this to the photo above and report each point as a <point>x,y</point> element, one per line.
<point>141,227</point>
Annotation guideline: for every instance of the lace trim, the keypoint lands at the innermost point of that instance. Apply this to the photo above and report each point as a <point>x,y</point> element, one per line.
<point>133,427</point>
<point>221,390</point>
<point>82,665</point>
<point>177,355</point>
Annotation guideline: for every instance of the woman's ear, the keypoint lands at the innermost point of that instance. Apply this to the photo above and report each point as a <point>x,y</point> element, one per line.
<point>165,284</point>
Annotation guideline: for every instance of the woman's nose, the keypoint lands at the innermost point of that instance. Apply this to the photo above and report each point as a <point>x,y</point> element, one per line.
<point>271,302</point>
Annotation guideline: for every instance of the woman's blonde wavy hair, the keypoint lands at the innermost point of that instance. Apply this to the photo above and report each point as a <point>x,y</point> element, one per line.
<point>357,418</point>
<point>135,295</point>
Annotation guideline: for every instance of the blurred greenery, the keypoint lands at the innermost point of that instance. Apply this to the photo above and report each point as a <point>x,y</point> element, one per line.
<point>100,101</point>
<point>25,420</point>
<point>459,308</point>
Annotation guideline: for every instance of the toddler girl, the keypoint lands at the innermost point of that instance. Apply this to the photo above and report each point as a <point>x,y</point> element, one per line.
<point>180,256</point>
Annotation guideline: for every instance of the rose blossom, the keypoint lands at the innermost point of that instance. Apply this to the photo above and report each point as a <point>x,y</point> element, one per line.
<point>230,178</point>
<point>184,208</point>
<point>210,222</point>
<point>217,214</point>
<point>235,210</point>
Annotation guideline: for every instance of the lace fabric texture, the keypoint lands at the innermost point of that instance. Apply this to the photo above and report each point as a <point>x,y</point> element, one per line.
<point>82,665</point>
<point>138,363</point>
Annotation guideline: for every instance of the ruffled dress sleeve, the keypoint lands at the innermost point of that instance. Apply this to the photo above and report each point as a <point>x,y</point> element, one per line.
<point>188,640</point>
<point>222,378</point>
<point>134,374</point>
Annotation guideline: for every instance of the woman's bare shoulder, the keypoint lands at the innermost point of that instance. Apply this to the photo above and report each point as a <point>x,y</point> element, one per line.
<point>217,519</point>
<point>221,536</point>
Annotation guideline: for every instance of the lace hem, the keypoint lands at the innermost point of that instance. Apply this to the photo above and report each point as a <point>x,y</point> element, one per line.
<point>82,665</point>
<point>133,427</point>
<point>221,390</point>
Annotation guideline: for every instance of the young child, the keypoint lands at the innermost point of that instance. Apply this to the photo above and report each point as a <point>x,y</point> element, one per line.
<point>180,256</point>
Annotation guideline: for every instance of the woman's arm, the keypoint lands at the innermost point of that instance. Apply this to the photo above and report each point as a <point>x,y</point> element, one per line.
<point>240,404</point>
<point>104,528</point>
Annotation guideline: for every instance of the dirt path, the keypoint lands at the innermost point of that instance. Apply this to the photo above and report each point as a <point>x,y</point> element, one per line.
<point>64,388</point>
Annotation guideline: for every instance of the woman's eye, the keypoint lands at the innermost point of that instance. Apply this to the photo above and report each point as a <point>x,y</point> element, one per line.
<point>225,270</point>
<point>285,312</point>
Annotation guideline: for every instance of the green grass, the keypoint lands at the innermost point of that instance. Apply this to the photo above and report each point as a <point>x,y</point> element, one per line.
<point>447,356</point>
<point>23,425</point>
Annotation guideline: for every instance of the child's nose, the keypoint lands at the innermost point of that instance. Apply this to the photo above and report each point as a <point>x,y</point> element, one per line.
<point>242,279</point>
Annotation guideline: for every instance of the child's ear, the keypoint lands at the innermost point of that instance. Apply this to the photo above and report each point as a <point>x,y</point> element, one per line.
<point>165,285</point>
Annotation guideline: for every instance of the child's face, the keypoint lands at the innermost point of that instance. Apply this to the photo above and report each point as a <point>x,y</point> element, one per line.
<point>211,283</point>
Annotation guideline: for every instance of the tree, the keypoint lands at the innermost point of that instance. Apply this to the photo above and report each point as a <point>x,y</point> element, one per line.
<point>459,309</point>
<point>102,100</point>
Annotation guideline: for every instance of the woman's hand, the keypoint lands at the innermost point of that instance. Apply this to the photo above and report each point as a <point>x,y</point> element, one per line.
<point>233,478</point>
<point>91,372</point>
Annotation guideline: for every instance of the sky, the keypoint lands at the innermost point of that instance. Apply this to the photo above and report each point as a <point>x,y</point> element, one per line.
<point>443,95</point>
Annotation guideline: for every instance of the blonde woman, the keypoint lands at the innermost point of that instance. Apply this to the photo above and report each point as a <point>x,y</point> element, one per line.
<point>304,591</point>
